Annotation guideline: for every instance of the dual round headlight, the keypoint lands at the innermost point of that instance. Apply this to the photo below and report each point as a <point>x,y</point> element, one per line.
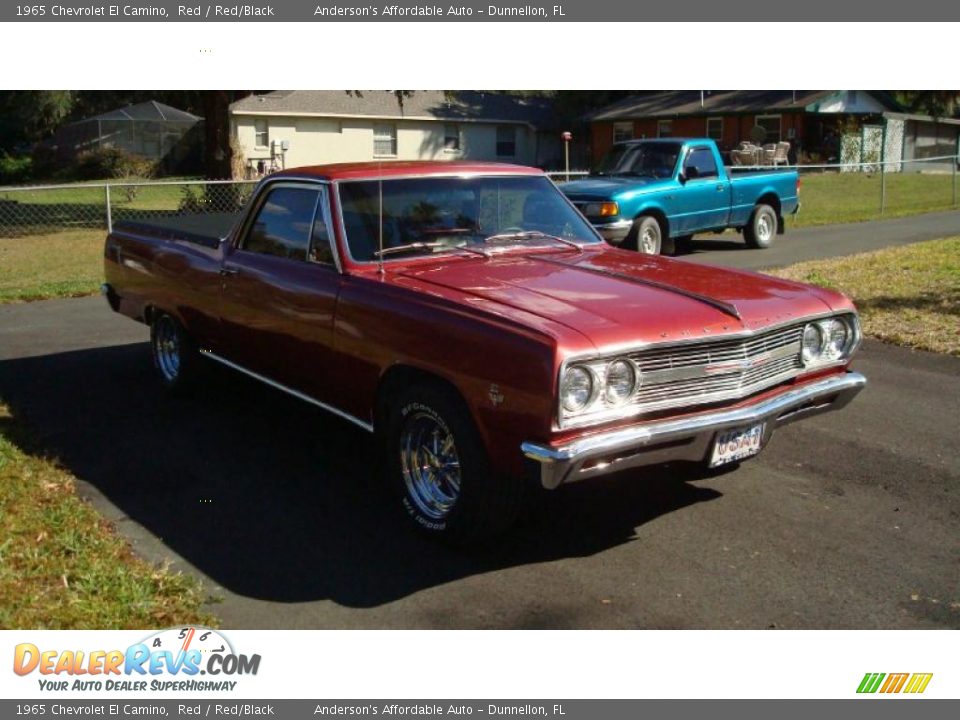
<point>827,341</point>
<point>581,385</point>
<point>577,388</point>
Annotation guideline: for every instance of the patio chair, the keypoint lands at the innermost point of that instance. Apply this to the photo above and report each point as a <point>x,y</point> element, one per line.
<point>782,156</point>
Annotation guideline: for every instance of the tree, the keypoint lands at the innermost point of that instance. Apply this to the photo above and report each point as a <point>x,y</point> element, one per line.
<point>27,116</point>
<point>937,103</point>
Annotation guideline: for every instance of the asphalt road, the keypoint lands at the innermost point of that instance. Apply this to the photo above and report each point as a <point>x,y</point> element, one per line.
<point>797,245</point>
<point>849,520</point>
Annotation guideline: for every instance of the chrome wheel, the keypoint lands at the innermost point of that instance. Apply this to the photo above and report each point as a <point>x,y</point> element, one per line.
<point>166,347</point>
<point>429,464</point>
<point>765,227</point>
<point>650,239</point>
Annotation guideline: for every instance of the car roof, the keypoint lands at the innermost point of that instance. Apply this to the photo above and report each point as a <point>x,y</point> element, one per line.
<point>405,168</point>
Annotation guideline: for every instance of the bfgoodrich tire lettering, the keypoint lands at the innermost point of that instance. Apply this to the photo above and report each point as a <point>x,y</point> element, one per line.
<point>438,468</point>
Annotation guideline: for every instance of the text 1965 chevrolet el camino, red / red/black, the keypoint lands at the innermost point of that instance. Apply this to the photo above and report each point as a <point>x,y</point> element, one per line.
<point>472,319</point>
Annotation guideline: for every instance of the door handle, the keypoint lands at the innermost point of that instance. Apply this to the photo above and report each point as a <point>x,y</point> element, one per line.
<point>719,188</point>
<point>225,271</point>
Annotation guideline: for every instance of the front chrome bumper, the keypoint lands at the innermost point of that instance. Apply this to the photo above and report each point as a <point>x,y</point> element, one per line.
<point>614,232</point>
<point>687,438</point>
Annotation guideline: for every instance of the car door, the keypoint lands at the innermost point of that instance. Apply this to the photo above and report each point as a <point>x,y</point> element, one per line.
<point>705,195</point>
<point>279,287</point>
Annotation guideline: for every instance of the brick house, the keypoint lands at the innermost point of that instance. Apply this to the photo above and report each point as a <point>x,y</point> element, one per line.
<point>805,118</point>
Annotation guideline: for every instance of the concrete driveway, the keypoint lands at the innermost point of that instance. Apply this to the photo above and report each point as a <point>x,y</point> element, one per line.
<point>849,520</point>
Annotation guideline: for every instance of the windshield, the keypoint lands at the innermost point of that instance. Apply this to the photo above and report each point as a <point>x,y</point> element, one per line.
<point>650,159</point>
<point>443,214</point>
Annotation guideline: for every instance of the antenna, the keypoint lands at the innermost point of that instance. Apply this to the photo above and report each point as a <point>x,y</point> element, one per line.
<point>380,216</point>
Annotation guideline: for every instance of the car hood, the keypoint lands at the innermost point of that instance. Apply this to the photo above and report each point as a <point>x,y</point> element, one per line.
<point>615,297</point>
<point>606,186</point>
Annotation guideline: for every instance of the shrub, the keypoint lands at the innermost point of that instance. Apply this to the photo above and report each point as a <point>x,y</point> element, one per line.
<point>112,164</point>
<point>15,170</point>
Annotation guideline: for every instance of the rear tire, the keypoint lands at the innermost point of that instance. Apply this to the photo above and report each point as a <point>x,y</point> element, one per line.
<point>646,236</point>
<point>175,355</point>
<point>438,468</point>
<point>762,228</point>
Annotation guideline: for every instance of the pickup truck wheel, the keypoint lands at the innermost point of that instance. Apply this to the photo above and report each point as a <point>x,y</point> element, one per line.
<point>762,228</point>
<point>438,467</point>
<point>174,354</point>
<point>646,236</point>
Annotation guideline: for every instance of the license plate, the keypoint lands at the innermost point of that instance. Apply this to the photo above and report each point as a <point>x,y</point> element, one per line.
<point>738,444</point>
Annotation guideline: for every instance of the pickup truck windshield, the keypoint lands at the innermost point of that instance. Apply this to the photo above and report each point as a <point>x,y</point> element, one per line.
<point>441,214</point>
<point>651,159</point>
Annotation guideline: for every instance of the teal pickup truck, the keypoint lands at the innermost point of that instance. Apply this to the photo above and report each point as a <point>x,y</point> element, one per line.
<point>649,195</point>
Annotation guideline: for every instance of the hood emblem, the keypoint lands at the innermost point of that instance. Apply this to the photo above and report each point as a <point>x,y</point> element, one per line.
<point>496,397</point>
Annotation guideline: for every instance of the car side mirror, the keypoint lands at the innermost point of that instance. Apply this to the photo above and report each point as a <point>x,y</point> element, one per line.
<point>682,177</point>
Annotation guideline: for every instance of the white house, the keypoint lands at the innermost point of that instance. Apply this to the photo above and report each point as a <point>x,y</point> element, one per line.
<point>289,128</point>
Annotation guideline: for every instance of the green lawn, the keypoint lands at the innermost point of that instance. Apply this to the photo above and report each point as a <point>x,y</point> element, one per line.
<point>63,264</point>
<point>62,566</point>
<point>851,197</point>
<point>907,296</point>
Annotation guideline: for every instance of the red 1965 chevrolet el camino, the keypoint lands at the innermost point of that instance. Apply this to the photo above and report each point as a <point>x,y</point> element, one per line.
<point>472,319</point>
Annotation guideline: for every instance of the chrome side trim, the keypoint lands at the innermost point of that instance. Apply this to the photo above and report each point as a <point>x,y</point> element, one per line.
<point>290,391</point>
<point>687,438</point>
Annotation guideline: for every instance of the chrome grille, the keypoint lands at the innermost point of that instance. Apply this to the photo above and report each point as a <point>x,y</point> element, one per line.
<point>715,371</point>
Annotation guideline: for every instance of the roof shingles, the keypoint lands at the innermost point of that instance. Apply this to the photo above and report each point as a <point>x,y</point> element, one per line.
<point>431,104</point>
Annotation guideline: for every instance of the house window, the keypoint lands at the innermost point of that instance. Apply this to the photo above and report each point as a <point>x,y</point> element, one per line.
<point>506,141</point>
<point>715,128</point>
<point>261,133</point>
<point>771,124</point>
<point>384,140</point>
<point>451,137</point>
<point>622,131</point>
<point>664,128</point>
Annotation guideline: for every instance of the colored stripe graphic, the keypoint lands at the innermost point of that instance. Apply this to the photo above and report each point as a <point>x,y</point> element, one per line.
<point>918,683</point>
<point>870,682</point>
<point>894,683</point>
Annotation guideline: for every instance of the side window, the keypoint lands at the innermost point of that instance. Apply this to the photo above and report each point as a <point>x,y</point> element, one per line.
<point>700,164</point>
<point>283,225</point>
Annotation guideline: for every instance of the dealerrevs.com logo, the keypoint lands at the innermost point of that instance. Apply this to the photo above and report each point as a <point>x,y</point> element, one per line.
<point>168,660</point>
<point>911,683</point>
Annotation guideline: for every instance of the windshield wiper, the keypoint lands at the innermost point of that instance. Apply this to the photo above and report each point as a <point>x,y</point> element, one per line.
<point>532,235</point>
<point>420,245</point>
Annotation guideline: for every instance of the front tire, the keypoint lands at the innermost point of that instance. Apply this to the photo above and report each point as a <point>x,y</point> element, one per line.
<point>175,355</point>
<point>439,470</point>
<point>762,228</point>
<point>646,236</point>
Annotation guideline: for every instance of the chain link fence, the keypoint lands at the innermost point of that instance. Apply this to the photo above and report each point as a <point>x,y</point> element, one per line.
<point>841,192</point>
<point>43,210</point>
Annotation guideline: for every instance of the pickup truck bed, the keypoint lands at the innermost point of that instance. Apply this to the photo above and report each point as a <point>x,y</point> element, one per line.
<point>209,229</point>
